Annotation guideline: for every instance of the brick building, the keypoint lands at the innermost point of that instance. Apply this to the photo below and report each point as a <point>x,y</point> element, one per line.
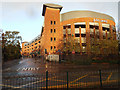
<point>81,25</point>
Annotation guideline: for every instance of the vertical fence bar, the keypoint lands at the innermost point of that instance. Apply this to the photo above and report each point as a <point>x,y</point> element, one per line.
<point>46,80</point>
<point>67,81</point>
<point>100,78</point>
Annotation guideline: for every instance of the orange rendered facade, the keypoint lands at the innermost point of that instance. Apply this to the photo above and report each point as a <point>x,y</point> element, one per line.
<point>52,33</point>
<point>31,48</point>
<point>58,26</point>
<point>87,20</point>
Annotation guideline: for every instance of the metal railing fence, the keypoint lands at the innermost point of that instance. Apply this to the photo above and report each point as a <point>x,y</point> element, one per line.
<point>63,80</point>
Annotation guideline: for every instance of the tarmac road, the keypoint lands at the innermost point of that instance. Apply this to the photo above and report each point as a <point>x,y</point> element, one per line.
<point>31,73</point>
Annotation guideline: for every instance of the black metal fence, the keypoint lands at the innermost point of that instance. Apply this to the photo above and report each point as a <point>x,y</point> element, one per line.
<point>65,80</point>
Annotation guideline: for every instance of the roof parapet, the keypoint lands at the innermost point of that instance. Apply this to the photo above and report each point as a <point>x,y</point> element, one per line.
<point>50,5</point>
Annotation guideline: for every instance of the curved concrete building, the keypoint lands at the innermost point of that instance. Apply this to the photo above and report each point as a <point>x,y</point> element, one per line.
<point>81,25</point>
<point>84,24</point>
<point>82,14</point>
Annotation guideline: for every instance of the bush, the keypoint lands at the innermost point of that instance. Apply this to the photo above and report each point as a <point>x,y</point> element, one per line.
<point>78,59</point>
<point>112,59</point>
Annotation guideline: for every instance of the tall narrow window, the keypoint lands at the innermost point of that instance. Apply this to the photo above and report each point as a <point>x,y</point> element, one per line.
<point>51,47</point>
<point>54,30</point>
<point>54,47</point>
<point>51,22</point>
<point>54,39</point>
<point>51,38</point>
<point>51,30</point>
<point>54,22</point>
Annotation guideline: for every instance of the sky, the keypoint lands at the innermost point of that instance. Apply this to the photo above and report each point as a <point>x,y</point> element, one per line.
<point>26,17</point>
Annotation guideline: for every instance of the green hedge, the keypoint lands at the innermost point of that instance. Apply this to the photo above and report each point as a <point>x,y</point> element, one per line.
<point>87,60</point>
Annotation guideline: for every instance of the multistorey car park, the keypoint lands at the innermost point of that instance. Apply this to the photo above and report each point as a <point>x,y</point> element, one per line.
<point>81,25</point>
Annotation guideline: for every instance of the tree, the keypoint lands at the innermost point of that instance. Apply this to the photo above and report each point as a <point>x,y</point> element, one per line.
<point>104,47</point>
<point>69,44</point>
<point>11,45</point>
<point>119,37</point>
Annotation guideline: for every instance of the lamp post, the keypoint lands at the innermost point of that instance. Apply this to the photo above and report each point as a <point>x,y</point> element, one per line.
<point>46,76</point>
<point>22,52</point>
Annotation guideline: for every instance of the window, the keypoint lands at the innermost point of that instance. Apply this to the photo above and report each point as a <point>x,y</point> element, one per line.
<point>83,44</point>
<point>54,30</point>
<point>54,22</point>
<point>54,39</point>
<point>39,41</point>
<point>104,28</point>
<point>35,43</point>
<point>51,47</point>
<point>83,35</point>
<point>77,35</point>
<point>92,26</point>
<point>45,51</point>
<point>69,26</point>
<point>64,27</point>
<point>64,35</point>
<point>96,27</point>
<point>51,30</point>
<point>82,26</point>
<point>51,22</point>
<point>51,38</point>
<point>54,47</point>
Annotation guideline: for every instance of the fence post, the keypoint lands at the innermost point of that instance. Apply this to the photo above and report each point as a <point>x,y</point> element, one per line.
<point>46,80</point>
<point>67,81</point>
<point>100,78</point>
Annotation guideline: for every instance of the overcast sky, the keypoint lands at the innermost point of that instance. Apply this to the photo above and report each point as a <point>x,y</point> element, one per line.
<point>26,17</point>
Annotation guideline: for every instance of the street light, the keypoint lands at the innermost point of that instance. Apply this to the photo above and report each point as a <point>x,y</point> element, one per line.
<point>46,66</point>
